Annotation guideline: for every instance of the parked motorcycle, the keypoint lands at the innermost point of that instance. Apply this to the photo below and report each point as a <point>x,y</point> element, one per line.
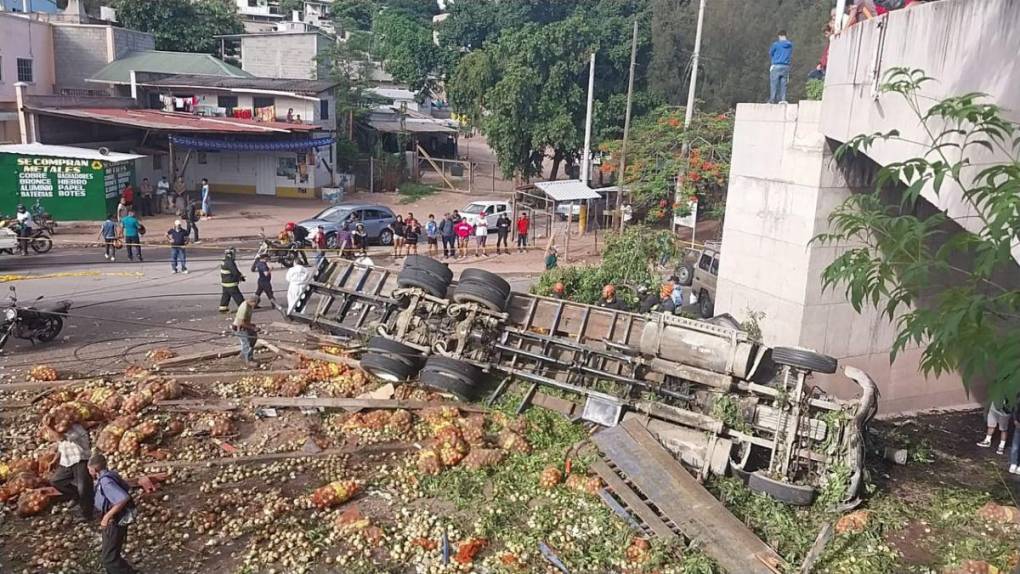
<point>43,219</point>
<point>285,254</point>
<point>41,323</point>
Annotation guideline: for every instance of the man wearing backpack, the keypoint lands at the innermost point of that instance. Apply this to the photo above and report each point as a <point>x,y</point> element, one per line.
<point>118,511</point>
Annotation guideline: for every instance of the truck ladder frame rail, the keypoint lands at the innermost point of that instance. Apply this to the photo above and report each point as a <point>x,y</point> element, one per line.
<point>733,403</point>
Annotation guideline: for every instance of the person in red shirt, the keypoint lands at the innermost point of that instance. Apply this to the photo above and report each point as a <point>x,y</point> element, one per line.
<point>523,224</point>
<point>128,194</point>
<point>463,229</point>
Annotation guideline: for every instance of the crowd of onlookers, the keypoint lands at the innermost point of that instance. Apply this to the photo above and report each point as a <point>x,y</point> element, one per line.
<point>123,227</point>
<point>458,236</point>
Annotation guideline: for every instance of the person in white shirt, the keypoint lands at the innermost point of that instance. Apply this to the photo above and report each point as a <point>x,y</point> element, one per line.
<point>481,236</point>
<point>25,225</point>
<point>71,476</point>
<point>162,195</point>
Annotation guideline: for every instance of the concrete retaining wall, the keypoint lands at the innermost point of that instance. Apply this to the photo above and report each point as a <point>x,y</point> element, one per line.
<point>783,185</point>
<point>965,45</point>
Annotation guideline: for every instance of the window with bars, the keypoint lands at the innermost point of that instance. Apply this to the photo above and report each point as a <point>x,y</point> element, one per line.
<point>25,70</point>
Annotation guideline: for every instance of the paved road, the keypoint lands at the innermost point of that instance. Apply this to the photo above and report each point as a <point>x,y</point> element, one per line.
<point>123,309</point>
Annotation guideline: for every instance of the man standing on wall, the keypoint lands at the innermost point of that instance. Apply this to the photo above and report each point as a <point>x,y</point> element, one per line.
<point>781,55</point>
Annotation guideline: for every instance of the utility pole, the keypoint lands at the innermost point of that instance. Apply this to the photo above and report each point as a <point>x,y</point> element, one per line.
<point>586,159</point>
<point>689,112</point>
<point>626,127</point>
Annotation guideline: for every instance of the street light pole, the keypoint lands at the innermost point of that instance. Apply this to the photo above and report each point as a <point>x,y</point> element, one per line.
<point>626,127</point>
<point>689,112</point>
<point>586,159</point>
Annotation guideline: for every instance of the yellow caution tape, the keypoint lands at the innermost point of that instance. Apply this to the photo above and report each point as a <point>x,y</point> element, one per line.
<point>8,278</point>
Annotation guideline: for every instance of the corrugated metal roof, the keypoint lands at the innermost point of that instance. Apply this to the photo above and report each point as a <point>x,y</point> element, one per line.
<point>175,122</point>
<point>119,71</point>
<point>311,87</point>
<point>410,126</point>
<point>567,190</point>
<point>68,152</point>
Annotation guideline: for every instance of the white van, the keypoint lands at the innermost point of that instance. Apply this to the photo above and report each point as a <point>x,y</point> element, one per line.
<point>490,210</point>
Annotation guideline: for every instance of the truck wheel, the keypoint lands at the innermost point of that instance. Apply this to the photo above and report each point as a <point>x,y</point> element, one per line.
<point>457,377</point>
<point>382,346</point>
<point>685,273</point>
<point>443,382</point>
<point>485,277</point>
<point>482,294</point>
<point>424,280</point>
<point>795,494</point>
<point>705,305</point>
<point>804,359</point>
<point>429,264</point>
<point>387,368</point>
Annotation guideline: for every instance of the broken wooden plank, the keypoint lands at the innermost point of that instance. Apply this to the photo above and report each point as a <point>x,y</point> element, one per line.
<point>357,404</point>
<point>197,405</point>
<point>685,502</point>
<point>292,361</point>
<point>824,535</point>
<point>12,405</point>
<point>319,356</point>
<point>183,377</point>
<point>196,357</point>
<point>633,501</point>
<point>273,457</point>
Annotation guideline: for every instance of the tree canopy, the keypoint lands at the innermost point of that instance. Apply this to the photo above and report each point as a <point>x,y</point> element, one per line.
<point>522,77</point>
<point>181,25</point>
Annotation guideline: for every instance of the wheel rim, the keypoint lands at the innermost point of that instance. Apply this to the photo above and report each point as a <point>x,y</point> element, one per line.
<point>331,242</point>
<point>386,238</point>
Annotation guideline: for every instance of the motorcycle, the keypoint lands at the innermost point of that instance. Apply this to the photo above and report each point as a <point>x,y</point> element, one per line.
<point>41,323</point>
<point>286,254</point>
<point>43,219</point>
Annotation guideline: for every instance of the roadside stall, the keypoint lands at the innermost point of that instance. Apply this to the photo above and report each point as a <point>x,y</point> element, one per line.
<point>70,183</point>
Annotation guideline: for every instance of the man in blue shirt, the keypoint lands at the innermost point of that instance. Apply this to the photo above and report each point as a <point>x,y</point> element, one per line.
<point>780,54</point>
<point>117,510</point>
<point>108,234</point>
<point>178,237</point>
<point>132,235</point>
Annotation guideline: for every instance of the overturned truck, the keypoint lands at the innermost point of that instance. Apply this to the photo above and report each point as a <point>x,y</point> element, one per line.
<point>719,400</point>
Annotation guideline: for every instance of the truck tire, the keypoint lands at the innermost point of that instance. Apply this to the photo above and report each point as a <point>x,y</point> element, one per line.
<point>443,382</point>
<point>382,346</point>
<point>452,375</point>
<point>804,359</point>
<point>706,307</point>
<point>487,278</point>
<point>429,264</point>
<point>424,280</point>
<point>485,295</point>
<point>795,494</point>
<point>387,368</point>
<point>685,273</point>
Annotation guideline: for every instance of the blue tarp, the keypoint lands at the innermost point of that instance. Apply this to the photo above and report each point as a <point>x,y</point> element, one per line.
<point>211,144</point>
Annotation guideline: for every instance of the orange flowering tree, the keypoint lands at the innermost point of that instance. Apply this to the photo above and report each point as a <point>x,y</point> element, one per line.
<point>655,158</point>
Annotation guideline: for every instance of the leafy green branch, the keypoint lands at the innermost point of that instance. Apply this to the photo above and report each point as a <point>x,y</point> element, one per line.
<point>950,290</point>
